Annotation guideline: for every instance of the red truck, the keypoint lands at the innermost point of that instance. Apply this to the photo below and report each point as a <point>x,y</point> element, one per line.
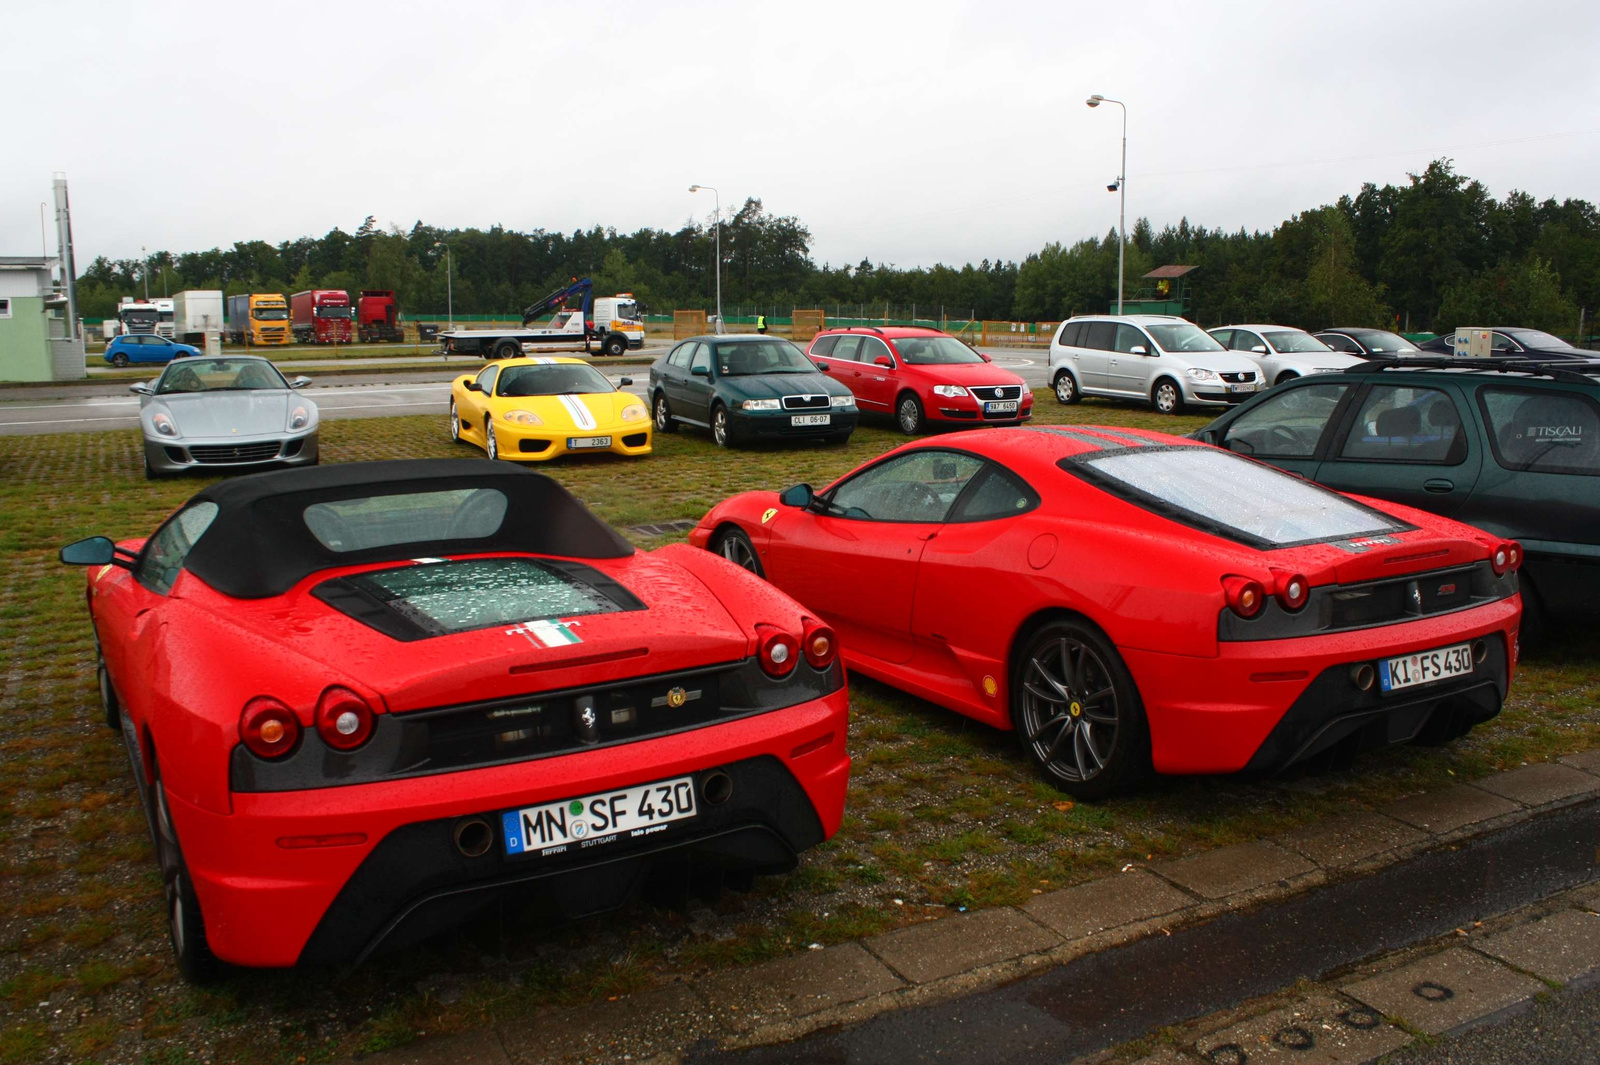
<point>321,316</point>
<point>378,316</point>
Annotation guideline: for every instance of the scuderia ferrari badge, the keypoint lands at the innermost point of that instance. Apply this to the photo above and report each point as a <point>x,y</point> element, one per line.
<point>772,512</point>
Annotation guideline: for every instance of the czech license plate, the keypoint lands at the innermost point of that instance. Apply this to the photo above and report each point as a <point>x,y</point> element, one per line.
<point>574,442</point>
<point>1425,667</point>
<point>1004,406</point>
<point>1242,388</point>
<point>595,820</point>
<point>811,419</point>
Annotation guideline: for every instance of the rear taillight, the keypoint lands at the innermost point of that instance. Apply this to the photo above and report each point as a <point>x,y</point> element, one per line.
<point>1245,596</point>
<point>268,728</point>
<point>1293,591</point>
<point>820,646</point>
<point>344,720</point>
<point>778,651</point>
<point>1507,557</point>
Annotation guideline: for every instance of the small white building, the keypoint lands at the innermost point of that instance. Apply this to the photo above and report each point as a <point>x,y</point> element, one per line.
<point>36,342</point>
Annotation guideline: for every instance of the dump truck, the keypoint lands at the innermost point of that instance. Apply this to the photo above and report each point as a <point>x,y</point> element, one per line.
<point>378,316</point>
<point>612,322</point>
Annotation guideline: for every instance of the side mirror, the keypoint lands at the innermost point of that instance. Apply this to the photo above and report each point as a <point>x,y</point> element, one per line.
<point>95,551</point>
<point>1138,349</point>
<point>885,361</point>
<point>473,386</point>
<point>300,382</point>
<point>984,357</point>
<point>1259,349</point>
<point>626,381</point>
<point>798,496</point>
<point>1206,436</point>
<point>142,389</point>
<point>699,371</point>
<point>823,367</point>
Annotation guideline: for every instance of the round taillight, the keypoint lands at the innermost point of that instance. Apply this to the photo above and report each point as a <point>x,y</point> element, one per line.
<point>344,720</point>
<point>779,651</point>
<point>821,647</point>
<point>1499,560</point>
<point>1513,555</point>
<point>1245,597</point>
<point>268,728</point>
<point>1293,592</point>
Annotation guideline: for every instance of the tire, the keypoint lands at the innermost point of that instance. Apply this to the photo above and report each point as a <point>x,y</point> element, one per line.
<point>455,424</point>
<point>1287,375</point>
<point>721,427</point>
<point>186,925</point>
<point>110,705</point>
<point>1066,387</point>
<point>491,446</point>
<point>662,416</point>
<point>908,414</point>
<point>507,349</point>
<point>1167,396</point>
<point>150,472</point>
<point>119,360</point>
<point>732,544</point>
<point>615,344</point>
<point>1067,682</point>
<point>1531,633</point>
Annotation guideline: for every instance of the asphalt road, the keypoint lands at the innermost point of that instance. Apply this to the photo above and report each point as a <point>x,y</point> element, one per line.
<point>106,405</point>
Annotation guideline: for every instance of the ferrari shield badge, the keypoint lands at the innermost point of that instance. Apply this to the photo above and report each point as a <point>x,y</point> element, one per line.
<point>772,512</point>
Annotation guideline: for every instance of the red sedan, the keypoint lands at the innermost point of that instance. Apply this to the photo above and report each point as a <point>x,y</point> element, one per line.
<point>364,701</point>
<point>922,377</point>
<point>1128,600</point>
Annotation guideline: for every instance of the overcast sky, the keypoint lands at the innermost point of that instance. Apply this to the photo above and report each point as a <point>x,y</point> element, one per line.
<point>909,133</point>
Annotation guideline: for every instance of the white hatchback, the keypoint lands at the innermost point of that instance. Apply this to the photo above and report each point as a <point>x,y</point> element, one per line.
<point>1282,351</point>
<point>1163,360</point>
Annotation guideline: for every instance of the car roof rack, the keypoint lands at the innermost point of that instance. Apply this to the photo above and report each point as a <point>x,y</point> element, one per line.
<point>1555,369</point>
<point>867,328</point>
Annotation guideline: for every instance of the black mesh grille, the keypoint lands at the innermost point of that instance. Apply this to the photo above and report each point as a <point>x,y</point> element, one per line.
<point>805,402</point>
<point>1239,377</point>
<point>991,393</point>
<point>221,454</point>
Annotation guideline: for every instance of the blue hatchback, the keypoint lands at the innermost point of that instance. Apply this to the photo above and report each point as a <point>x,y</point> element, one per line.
<point>146,347</point>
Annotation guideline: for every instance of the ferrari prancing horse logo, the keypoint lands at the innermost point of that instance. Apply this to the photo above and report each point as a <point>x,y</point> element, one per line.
<point>772,512</point>
<point>677,697</point>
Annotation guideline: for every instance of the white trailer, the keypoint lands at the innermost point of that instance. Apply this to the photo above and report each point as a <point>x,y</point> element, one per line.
<point>195,313</point>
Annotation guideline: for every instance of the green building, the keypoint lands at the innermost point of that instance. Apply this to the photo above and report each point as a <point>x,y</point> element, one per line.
<point>36,343</point>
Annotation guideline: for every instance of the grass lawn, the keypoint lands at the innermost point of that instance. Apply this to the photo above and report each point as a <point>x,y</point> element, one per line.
<point>943,812</point>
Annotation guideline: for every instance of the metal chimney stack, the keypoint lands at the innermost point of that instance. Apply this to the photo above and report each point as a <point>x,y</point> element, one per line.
<point>69,272</point>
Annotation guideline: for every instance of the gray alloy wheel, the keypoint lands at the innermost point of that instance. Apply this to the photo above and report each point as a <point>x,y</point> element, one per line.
<point>665,422</point>
<point>908,413</point>
<point>491,446</point>
<point>1167,396</point>
<point>1066,388</point>
<point>455,424</point>
<point>1077,711</point>
<point>119,360</point>
<point>733,545</point>
<point>721,431</point>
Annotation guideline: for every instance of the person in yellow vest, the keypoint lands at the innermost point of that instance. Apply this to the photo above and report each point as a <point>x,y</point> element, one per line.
<point>761,323</point>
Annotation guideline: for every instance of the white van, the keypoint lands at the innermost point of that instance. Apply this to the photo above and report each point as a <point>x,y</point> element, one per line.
<point>1160,359</point>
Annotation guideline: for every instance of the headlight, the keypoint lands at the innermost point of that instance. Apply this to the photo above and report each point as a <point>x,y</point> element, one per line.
<point>298,418</point>
<point>761,404</point>
<point>844,401</point>
<point>522,417</point>
<point>1201,374</point>
<point>950,391</point>
<point>164,424</point>
<point>634,412</point>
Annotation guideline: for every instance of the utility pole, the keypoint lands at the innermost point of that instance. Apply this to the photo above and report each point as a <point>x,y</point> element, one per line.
<point>1121,187</point>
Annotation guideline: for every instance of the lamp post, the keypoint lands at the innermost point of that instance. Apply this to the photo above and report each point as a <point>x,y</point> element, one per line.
<point>716,200</point>
<point>449,283</point>
<point>146,271</point>
<point>1121,187</point>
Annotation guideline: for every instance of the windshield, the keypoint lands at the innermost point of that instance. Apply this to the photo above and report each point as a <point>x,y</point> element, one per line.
<point>331,312</point>
<point>136,319</point>
<point>1221,491</point>
<point>1294,341</point>
<point>627,310</point>
<point>935,351</point>
<point>448,597</point>
<point>560,379</point>
<point>407,518</point>
<point>1184,336</point>
<point>1536,338</point>
<point>763,356</point>
<point>1382,342</point>
<point>219,375</point>
<point>269,314</point>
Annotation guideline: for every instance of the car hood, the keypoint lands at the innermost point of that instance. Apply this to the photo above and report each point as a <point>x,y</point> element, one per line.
<point>227,414</point>
<point>1311,361</point>
<point>777,385</point>
<point>1221,361</point>
<point>966,373</point>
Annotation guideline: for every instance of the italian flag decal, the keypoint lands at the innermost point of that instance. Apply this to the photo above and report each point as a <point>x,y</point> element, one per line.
<point>552,633</point>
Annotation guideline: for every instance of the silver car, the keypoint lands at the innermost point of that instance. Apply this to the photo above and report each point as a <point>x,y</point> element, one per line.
<point>228,412</point>
<point>1168,362</point>
<point>1282,351</point>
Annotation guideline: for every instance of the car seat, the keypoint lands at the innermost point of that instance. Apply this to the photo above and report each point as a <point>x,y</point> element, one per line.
<point>183,379</point>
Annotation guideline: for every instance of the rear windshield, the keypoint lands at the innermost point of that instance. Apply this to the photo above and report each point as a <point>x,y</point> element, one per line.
<point>1380,342</point>
<point>1295,341</point>
<point>1232,496</point>
<point>449,597</point>
<point>556,379</point>
<point>411,517</point>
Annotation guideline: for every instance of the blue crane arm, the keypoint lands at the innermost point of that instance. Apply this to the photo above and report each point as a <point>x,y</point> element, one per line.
<point>556,300</point>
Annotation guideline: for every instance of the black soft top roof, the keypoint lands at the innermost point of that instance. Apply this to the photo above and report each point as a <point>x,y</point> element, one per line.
<point>259,545</point>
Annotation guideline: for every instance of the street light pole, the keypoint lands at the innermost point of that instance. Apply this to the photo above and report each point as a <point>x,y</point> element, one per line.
<point>146,271</point>
<point>449,283</point>
<point>1122,189</point>
<point>716,200</point>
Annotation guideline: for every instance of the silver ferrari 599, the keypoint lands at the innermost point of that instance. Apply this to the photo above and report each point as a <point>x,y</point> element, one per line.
<point>228,411</point>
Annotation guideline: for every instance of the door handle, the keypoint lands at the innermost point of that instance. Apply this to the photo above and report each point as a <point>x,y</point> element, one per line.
<point>1438,484</point>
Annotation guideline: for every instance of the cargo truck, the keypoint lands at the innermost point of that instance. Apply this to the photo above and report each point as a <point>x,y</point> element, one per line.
<point>613,322</point>
<point>321,316</point>
<point>378,316</point>
<point>164,323</point>
<point>258,318</point>
<point>137,315</point>
<point>196,312</point>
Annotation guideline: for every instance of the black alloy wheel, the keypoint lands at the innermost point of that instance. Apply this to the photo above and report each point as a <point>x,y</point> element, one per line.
<point>732,544</point>
<point>109,704</point>
<point>119,360</point>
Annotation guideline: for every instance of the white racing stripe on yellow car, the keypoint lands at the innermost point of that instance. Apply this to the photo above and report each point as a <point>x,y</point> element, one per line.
<point>581,415</point>
<point>544,362</point>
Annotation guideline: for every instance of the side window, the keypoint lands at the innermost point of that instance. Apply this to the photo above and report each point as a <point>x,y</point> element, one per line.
<point>849,349</point>
<point>1244,340</point>
<point>1543,431</point>
<point>1340,342</point>
<point>680,355</point>
<point>487,377</point>
<point>872,348</point>
<point>1129,337</point>
<point>920,487</point>
<point>1288,425</point>
<point>1101,336</point>
<point>1223,337</point>
<point>701,357</point>
<point>1069,335</point>
<point>1403,423</point>
<point>1501,342</point>
<point>823,346</point>
<point>163,556</point>
<point>995,493</point>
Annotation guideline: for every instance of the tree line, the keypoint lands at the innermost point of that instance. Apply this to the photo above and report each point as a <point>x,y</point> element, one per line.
<point>1432,253</point>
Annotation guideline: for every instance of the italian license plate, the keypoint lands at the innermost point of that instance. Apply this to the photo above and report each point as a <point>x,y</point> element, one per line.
<point>574,442</point>
<point>811,419</point>
<point>1004,406</point>
<point>1242,388</point>
<point>1425,667</point>
<point>595,820</point>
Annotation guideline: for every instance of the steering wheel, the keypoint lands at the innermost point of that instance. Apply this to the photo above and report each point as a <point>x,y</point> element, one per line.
<point>1283,434</point>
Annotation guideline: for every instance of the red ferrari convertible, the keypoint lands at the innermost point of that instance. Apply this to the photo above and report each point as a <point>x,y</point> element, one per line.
<point>363,701</point>
<point>1128,599</point>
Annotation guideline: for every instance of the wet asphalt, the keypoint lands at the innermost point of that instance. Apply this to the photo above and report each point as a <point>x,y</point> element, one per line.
<point>1117,995</point>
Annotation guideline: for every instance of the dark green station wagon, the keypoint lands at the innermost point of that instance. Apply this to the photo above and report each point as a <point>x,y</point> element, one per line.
<point>1512,447</point>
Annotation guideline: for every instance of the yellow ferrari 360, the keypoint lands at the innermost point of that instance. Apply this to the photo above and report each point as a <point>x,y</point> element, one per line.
<point>535,409</point>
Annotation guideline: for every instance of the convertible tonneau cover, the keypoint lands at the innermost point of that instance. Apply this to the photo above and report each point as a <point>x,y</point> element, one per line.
<point>259,545</point>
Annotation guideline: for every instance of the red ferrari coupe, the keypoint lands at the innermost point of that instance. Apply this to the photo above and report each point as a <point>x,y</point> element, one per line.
<point>363,701</point>
<point>1126,599</point>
